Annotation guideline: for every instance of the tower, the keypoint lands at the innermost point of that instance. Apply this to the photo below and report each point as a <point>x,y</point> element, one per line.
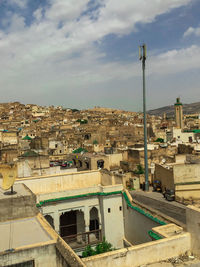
<point>178,113</point>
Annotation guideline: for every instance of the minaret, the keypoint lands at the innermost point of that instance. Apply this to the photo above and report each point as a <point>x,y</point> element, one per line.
<point>178,113</point>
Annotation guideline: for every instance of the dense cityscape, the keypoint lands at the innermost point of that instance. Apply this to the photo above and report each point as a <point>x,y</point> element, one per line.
<point>81,168</point>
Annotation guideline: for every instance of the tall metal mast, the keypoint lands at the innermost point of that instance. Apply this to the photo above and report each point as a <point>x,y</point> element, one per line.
<point>142,56</point>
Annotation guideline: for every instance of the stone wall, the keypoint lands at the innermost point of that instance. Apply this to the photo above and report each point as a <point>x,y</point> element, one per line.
<point>186,173</point>
<point>136,225</point>
<point>139,255</point>
<point>43,256</point>
<point>187,182</point>
<point>22,204</point>
<point>192,223</point>
<point>165,176</point>
<point>62,182</point>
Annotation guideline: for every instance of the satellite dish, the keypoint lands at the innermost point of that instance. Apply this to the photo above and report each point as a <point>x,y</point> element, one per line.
<point>8,181</point>
<point>8,178</point>
<point>163,161</point>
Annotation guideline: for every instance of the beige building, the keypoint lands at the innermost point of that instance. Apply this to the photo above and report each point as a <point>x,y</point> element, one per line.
<point>81,206</point>
<point>30,241</point>
<point>185,137</point>
<point>27,240</point>
<point>9,137</point>
<point>95,161</point>
<point>182,176</point>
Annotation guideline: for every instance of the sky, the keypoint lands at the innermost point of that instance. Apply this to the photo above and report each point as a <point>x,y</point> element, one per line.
<point>84,53</point>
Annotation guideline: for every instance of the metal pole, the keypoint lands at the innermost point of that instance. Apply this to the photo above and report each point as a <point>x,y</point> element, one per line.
<point>143,57</point>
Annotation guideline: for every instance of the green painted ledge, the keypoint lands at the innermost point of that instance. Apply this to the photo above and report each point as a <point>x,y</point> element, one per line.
<point>142,211</point>
<point>154,235</point>
<point>43,202</point>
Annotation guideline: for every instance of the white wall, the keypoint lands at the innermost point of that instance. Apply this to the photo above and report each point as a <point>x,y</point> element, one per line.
<point>81,204</point>
<point>113,222</point>
<point>137,226</point>
<point>184,136</point>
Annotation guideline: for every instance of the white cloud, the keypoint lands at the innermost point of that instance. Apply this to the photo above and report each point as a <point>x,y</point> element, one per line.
<point>17,23</point>
<point>20,3</point>
<point>176,61</point>
<point>38,14</point>
<point>45,56</point>
<point>121,16</point>
<point>192,31</point>
<point>63,10</point>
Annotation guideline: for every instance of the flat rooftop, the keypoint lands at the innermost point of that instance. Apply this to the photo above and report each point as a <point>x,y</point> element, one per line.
<point>23,232</point>
<point>19,189</point>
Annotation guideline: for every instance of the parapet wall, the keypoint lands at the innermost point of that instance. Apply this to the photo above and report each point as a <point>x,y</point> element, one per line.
<point>20,205</point>
<point>192,222</point>
<point>142,254</point>
<point>61,182</point>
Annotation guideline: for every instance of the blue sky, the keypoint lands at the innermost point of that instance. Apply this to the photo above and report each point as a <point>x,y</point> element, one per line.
<point>80,53</point>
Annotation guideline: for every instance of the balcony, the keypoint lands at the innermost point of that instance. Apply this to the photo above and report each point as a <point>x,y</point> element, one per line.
<point>83,239</point>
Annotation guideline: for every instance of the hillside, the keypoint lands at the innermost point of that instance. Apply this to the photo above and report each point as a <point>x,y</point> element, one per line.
<point>169,110</point>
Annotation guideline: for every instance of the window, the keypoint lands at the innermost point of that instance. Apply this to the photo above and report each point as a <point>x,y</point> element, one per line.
<point>56,145</point>
<point>120,207</point>
<point>108,210</point>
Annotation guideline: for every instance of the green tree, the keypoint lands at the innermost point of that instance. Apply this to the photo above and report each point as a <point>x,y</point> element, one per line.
<point>139,170</point>
<point>102,247</point>
<point>160,140</point>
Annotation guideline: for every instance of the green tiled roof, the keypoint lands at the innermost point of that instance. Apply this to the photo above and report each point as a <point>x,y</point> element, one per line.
<point>27,138</point>
<point>79,150</point>
<point>196,131</point>
<point>30,153</point>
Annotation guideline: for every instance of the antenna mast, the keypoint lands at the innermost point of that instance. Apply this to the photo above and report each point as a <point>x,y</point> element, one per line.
<point>142,57</point>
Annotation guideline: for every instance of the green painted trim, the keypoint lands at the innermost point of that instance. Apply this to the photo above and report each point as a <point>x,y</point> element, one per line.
<point>187,183</point>
<point>43,202</point>
<point>154,235</point>
<point>178,104</point>
<point>142,211</point>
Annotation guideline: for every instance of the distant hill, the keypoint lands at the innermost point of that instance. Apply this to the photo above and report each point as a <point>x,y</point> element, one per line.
<point>169,110</point>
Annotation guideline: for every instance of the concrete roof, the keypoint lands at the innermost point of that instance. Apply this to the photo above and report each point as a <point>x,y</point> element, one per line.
<point>19,189</point>
<point>23,232</point>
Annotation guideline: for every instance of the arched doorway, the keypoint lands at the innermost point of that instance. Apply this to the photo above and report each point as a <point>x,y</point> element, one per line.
<point>86,165</point>
<point>68,223</point>
<point>80,164</point>
<point>94,219</point>
<point>50,220</point>
<point>74,162</point>
<point>100,163</point>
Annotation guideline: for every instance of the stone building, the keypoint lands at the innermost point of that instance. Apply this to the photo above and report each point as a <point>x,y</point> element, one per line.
<point>178,113</point>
